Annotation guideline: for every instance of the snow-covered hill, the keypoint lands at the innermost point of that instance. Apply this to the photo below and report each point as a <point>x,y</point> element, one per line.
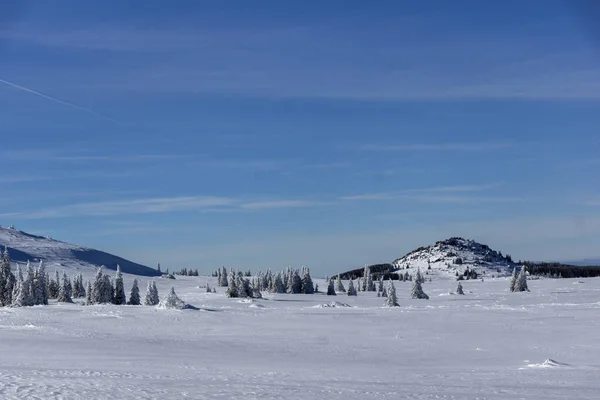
<point>24,246</point>
<point>447,258</point>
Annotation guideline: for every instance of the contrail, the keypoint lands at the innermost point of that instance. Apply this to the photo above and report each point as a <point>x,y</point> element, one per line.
<point>66,103</point>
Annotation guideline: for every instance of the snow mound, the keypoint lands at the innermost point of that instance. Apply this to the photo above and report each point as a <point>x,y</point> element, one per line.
<point>256,305</point>
<point>173,302</point>
<point>549,363</point>
<point>333,304</point>
<point>449,258</point>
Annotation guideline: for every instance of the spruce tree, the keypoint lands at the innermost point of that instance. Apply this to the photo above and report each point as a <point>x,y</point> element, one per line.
<point>521,285</point>
<point>307,283</point>
<point>278,286</point>
<point>351,289</point>
<point>417,291</point>
<point>148,298</point>
<point>339,285</point>
<point>119,297</point>
<point>330,288</point>
<point>380,284</point>
<point>7,279</point>
<point>64,295</point>
<point>384,292</point>
<point>155,296</point>
<point>459,289</point>
<point>134,294</point>
<point>41,292</point>
<point>53,286</point>
<point>294,283</point>
<point>88,294</point>
<point>513,280</point>
<point>391,299</point>
<point>28,287</point>
<point>232,289</point>
<point>108,290</point>
<point>98,288</point>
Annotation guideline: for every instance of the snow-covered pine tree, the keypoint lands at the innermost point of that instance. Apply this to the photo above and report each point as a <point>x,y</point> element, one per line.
<point>108,290</point>
<point>64,296</point>
<point>370,283</point>
<point>224,278</point>
<point>134,294</point>
<point>384,292</point>
<point>278,286</point>
<point>7,279</point>
<point>380,284</point>
<point>459,289</point>
<point>364,284</point>
<point>358,285</point>
<point>417,291</point>
<point>294,283</point>
<point>339,285</point>
<point>70,287</point>
<point>391,299</point>
<point>232,289</point>
<point>119,297</point>
<point>53,286</point>
<point>41,286</point>
<point>155,296</point>
<point>351,289</point>
<point>171,300</point>
<point>88,294</point>
<point>331,288</point>
<point>243,286</point>
<point>307,283</point>
<point>513,280</point>
<point>98,287</point>
<point>148,298</point>
<point>28,287</point>
<point>521,285</point>
<point>17,293</point>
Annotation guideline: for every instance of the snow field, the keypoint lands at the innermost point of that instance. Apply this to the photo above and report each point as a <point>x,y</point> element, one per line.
<point>488,344</point>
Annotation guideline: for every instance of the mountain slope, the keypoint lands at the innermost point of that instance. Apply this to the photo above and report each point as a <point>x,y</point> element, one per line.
<point>447,258</point>
<point>24,246</point>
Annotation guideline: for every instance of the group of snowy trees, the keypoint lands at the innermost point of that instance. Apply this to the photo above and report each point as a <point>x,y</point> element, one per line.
<point>368,284</point>
<point>518,282</point>
<point>290,280</point>
<point>188,272</point>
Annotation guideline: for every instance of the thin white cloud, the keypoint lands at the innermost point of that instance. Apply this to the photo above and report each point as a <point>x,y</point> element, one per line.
<point>135,206</point>
<point>83,155</point>
<point>263,205</point>
<point>438,147</point>
<point>429,194</point>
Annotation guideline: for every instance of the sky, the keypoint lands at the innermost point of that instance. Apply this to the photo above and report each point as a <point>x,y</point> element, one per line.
<point>327,134</point>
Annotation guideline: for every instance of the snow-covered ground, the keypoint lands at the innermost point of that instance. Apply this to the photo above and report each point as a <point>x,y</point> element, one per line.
<point>488,344</point>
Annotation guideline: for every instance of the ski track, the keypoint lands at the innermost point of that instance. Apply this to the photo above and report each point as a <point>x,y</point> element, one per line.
<point>488,344</point>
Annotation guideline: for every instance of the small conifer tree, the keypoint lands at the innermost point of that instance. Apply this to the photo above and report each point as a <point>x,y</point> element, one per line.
<point>119,297</point>
<point>134,294</point>
<point>391,299</point>
<point>330,288</point>
<point>339,285</point>
<point>351,289</point>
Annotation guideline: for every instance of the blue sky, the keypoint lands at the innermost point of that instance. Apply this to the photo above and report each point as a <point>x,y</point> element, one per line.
<point>272,133</point>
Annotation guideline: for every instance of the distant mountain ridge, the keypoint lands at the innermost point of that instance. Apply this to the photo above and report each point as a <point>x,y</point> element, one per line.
<point>23,246</point>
